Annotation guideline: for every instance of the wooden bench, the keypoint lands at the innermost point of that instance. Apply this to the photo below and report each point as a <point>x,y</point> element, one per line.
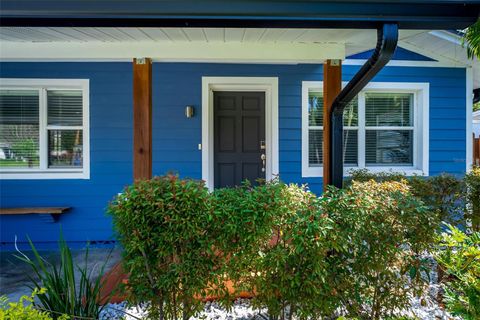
<point>52,212</point>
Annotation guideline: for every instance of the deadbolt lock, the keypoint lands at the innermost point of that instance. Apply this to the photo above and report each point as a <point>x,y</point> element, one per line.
<point>262,145</point>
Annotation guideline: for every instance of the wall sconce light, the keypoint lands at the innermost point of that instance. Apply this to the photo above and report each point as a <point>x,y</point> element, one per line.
<point>189,111</point>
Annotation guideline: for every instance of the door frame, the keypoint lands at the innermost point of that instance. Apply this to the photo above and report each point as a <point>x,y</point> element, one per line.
<point>268,85</point>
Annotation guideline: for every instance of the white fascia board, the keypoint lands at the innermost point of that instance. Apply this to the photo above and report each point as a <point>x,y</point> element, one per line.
<point>173,51</point>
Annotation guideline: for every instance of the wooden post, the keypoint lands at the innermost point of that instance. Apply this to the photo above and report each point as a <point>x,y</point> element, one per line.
<point>332,85</point>
<point>142,118</point>
<point>476,150</point>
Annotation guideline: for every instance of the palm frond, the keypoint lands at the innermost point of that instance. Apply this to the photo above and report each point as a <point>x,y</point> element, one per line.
<point>471,40</point>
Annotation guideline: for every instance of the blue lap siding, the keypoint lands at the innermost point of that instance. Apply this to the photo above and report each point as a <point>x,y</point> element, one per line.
<point>176,138</point>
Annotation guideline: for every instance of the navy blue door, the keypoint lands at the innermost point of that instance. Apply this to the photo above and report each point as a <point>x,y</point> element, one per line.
<point>239,131</point>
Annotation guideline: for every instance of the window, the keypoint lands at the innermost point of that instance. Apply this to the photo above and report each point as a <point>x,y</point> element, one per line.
<point>385,128</point>
<point>44,129</point>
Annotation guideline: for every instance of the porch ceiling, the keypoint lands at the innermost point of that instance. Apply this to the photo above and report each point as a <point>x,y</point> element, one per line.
<point>218,44</point>
<point>243,35</point>
<point>322,43</point>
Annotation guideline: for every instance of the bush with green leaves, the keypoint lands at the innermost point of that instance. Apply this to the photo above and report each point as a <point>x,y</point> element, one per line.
<point>24,309</point>
<point>291,269</point>
<point>444,193</point>
<point>357,249</point>
<point>169,255</point>
<point>472,181</point>
<point>65,293</point>
<point>244,218</point>
<point>381,231</point>
<point>459,255</point>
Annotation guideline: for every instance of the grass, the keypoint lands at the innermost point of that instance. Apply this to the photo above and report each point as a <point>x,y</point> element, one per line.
<point>16,163</point>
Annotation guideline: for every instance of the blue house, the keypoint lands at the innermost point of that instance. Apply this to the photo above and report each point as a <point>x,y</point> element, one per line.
<point>90,101</point>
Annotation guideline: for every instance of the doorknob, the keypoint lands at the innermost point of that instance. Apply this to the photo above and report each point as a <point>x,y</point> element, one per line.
<point>264,158</point>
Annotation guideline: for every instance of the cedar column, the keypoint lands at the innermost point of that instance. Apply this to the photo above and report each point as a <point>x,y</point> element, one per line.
<point>332,85</point>
<point>142,118</point>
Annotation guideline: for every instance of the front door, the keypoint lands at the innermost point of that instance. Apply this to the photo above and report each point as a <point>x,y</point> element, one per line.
<point>239,131</point>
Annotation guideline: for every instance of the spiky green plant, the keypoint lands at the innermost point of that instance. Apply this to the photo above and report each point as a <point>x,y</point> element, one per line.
<point>63,294</point>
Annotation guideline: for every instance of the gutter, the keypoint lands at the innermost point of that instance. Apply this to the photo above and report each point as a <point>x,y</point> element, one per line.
<point>387,38</point>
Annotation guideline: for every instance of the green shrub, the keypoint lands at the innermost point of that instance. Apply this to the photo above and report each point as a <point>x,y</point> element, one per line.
<point>291,270</point>
<point>472,181</point>
<point>459,255</point>
<point>382,230</point>
<point>244,219</point>
<point>163,226</point>
<point>24,309</point>
<point>364,175</point>
<point>444,193</point>
<point>356,249</point>
<point>63,294</point>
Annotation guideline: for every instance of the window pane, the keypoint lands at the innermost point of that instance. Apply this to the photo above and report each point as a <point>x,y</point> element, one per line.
<point>389,147</point>
<point>64,108</point>
<point>350,147</point>
<point>315,111</point>
<point>389,109</point>
<point>65,149</point>
<point>315,145</point>
<point>19,129</point>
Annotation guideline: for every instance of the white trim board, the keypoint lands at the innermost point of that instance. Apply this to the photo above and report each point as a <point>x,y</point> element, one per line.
<point>177,51</point>
<point>420,128</point>
<point>270,87</point>
<point>52,84</point>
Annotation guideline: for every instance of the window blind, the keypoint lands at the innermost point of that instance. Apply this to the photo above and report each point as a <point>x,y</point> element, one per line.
<point>65,144</point>
<point>388,109</point>
<point>389,128</point>
<point>19,128</point>
<point>315,131</point>
<point>64,108</point>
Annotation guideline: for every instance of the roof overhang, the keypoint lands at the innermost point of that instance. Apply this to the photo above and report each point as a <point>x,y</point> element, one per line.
<point>366,14</point>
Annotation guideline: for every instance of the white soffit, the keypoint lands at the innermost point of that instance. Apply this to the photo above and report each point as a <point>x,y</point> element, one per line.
<point>74,34</point>
<point>181,44</point>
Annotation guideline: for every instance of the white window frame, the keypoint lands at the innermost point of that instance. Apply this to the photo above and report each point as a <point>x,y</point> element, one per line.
<point>421,131</point>
<point>43,172</point>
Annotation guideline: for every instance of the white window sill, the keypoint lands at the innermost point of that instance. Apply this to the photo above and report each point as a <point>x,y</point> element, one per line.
<point>317,172</point>
<point>43,174</point>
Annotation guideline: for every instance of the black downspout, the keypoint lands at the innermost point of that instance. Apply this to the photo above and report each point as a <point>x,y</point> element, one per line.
<point>387,38</point>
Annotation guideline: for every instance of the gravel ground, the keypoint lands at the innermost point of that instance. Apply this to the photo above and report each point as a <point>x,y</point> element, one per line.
<point>13,277</point>
<point>424,308</point>
<point>242,311</point>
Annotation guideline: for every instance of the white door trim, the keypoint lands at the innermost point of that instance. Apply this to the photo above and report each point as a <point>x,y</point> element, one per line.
<point>262,84</point>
